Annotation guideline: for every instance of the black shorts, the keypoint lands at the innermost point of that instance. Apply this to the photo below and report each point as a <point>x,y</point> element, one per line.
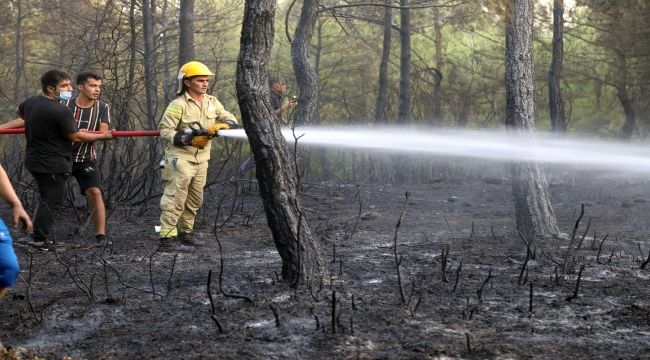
<point>87,175</point>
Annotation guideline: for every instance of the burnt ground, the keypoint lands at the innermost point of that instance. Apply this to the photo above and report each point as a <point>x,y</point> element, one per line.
<point>134,302</point>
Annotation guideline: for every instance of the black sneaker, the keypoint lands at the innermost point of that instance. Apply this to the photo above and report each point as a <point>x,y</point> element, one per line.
<point>26,240</point>
<point>102,240</point>
<point>43,245</point>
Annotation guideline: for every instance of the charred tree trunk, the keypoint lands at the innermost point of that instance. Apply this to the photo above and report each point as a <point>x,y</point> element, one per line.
<point>381,107</point>
<point>630,117</point>
<point>437,71</point>
<point>306,77</point>
<point>404,112</point>
<point>18,51</point>
<point>276,174</point>
<point>532,199</point>
<point>151,84</point>
<point>149,63</point>
<point>186,32</point>
<point>621,85</point>
<point>555,100</point>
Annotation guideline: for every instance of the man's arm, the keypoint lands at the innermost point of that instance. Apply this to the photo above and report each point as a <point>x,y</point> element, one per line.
<point>83,136</point>
<point>13,124</point>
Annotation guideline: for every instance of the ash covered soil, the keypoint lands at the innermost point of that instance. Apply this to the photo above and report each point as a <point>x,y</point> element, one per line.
<point>463,292</point>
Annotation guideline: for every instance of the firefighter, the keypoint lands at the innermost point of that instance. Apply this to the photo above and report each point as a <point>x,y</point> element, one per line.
<point>187,126</point>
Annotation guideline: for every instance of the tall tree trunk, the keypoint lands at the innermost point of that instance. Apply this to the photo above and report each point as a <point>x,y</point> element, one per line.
<point>404,112</point>
<point>437,71</point>
<point>555,100</point>
<point>20,61</point>
<point>381,107</point>
<point>149,63</point>
<point>168,69</point>
<point>621,84</point>
<point>306,77</point>
<point>277,179</point>
<point>186,32</point>
<point>532,199</point>
<point>150,82</point>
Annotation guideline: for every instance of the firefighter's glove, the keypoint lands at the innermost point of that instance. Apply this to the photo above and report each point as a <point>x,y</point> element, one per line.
<point>201,141</point>
<point>191,137</point>
<point>184,138</point>
<point>232,124</point>
<point>213,130</point>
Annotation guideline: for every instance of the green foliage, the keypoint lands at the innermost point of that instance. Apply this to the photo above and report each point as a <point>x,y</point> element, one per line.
<point>605,55</point>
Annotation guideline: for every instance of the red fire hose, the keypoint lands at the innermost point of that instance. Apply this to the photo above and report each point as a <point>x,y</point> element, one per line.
<point>116,133</point>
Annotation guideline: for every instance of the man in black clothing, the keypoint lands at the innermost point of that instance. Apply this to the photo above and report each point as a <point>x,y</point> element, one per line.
<point>277,89</point>
<point>50,130</point>
<point>90,114</point>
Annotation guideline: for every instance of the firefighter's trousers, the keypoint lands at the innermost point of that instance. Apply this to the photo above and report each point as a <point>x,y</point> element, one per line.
<point>182,196</point>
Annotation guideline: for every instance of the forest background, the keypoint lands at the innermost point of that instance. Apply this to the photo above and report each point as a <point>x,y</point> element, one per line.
<point>454,71</point>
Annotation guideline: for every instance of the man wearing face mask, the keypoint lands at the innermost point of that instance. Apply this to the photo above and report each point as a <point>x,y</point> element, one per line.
<point>49,132</point>
<point>92,115</point>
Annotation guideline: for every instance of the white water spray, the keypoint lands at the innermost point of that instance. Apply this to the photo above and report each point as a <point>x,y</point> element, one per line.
<point>497,145</point>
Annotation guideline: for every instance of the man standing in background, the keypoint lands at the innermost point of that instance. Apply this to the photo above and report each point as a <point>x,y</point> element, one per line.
<point>277,88</point>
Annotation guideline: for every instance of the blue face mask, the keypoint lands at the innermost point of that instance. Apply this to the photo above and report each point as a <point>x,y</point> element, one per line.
<point>65,95</point>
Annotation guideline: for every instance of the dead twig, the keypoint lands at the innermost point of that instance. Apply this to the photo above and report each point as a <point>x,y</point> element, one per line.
<point>76,279</point>
<point>523,274</point>
<point>584,234</point>
<point>479,291</point>
<point>334,316</point>
<point>119,279</point>
<point>276,314</point>
<point>221,266</point>
<point>549,257</point>
<point>600,249</point>
<point>575,292</point>
<point>645,263</point>
<point>444,258</point>
<point>449,226</point>
<point>213,314</point>
<point>311,292</point>
<point>530,300</point>
<point>494,236</point>
<point>311,311</point>
<point>569,250</point>
<point>398,258</point>
<point>417,304</point>
<point>171,273</point>
<point>458,271</point>
<point>528,246</point>
<point>29,290</point>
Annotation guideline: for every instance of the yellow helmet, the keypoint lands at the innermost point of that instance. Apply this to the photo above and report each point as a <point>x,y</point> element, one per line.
<point>193,68</point>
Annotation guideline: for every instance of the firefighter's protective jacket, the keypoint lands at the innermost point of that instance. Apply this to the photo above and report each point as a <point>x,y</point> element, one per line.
<point>179,113</point>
